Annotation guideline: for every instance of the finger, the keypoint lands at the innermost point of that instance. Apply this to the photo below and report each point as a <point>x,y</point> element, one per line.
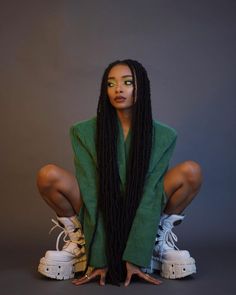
<point>102,279</point>
<point>80,279</point>
<point>128,278</point>
<point>149,278</point>
<point>85,279</point>
<point>153,280</point>
<point>77,280</point>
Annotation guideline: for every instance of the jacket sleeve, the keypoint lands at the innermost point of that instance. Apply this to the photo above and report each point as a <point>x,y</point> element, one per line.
<point>85,168</point>
<point>142,235</point>
<point>86,174</point>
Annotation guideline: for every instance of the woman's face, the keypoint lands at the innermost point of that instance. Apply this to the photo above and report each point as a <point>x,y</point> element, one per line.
<point>120,86</point>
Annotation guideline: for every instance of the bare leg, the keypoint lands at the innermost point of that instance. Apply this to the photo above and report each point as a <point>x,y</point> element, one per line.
<point>181,184</point>
<point>60,190</point>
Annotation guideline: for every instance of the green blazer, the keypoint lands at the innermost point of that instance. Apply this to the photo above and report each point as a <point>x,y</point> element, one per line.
<point>141,239</point>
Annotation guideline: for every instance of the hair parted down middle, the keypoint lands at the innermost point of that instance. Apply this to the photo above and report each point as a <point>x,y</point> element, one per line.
<point>118,208</point>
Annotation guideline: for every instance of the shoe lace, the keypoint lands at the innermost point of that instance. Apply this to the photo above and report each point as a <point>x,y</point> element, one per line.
<point>66,234</point>
<point>168,236</point>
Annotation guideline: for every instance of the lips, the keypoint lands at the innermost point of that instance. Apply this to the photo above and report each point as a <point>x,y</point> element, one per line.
<point>120,98</point>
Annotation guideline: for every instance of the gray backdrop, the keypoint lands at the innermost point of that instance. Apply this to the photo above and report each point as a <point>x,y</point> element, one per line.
<point>52,57</point>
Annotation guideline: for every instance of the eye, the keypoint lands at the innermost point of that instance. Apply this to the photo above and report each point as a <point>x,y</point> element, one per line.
<point>128,82</point>
<point>110,84</point>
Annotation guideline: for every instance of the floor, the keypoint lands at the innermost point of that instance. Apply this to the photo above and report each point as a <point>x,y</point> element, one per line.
<point>215,274</point>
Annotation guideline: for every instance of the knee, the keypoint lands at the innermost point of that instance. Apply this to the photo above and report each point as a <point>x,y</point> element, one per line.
<point>47,176</point>
<point>192,173</point>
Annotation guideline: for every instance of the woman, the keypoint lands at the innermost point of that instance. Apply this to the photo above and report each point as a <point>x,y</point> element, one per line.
<point>122,190</point>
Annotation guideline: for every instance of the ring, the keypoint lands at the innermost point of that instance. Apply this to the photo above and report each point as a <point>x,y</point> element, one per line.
<point>87,277</point>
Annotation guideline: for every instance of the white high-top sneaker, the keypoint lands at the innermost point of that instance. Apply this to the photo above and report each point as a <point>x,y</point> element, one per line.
<point>62,264</point>
<point>172,262</point>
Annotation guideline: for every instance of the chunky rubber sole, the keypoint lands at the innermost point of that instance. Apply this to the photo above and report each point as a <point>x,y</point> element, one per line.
<point>172,269</point>
<point>60,270</point>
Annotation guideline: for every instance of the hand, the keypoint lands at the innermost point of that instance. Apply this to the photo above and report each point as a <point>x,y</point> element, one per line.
<point>91,275</point>
<point>132,269</point>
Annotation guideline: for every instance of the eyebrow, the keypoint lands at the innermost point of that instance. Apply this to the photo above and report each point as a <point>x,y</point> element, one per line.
<point>125,76</point>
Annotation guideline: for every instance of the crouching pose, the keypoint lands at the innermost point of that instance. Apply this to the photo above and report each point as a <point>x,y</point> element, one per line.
<point>118,211</point>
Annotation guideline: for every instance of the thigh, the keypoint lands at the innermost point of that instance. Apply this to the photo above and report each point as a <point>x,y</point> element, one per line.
<point>67,182</point>
<point>173,180</point>
<point>54,177</point>
<point>68,185</point>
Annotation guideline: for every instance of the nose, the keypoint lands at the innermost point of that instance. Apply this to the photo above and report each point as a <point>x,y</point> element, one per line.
<point>118,88</point>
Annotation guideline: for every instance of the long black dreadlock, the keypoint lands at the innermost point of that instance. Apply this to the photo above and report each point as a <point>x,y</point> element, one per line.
<point>118,207</point>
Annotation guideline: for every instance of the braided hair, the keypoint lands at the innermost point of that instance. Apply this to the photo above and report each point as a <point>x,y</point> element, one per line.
<point>118,208</point>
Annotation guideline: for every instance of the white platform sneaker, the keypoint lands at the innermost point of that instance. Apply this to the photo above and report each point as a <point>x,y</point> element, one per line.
<point>62,264</point>
<point>172,262</point>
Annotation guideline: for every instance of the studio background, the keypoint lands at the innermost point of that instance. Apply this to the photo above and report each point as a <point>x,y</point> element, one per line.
<point>52,57</point>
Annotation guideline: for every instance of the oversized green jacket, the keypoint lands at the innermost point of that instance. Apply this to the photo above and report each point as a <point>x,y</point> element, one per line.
<point>143,231</point>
